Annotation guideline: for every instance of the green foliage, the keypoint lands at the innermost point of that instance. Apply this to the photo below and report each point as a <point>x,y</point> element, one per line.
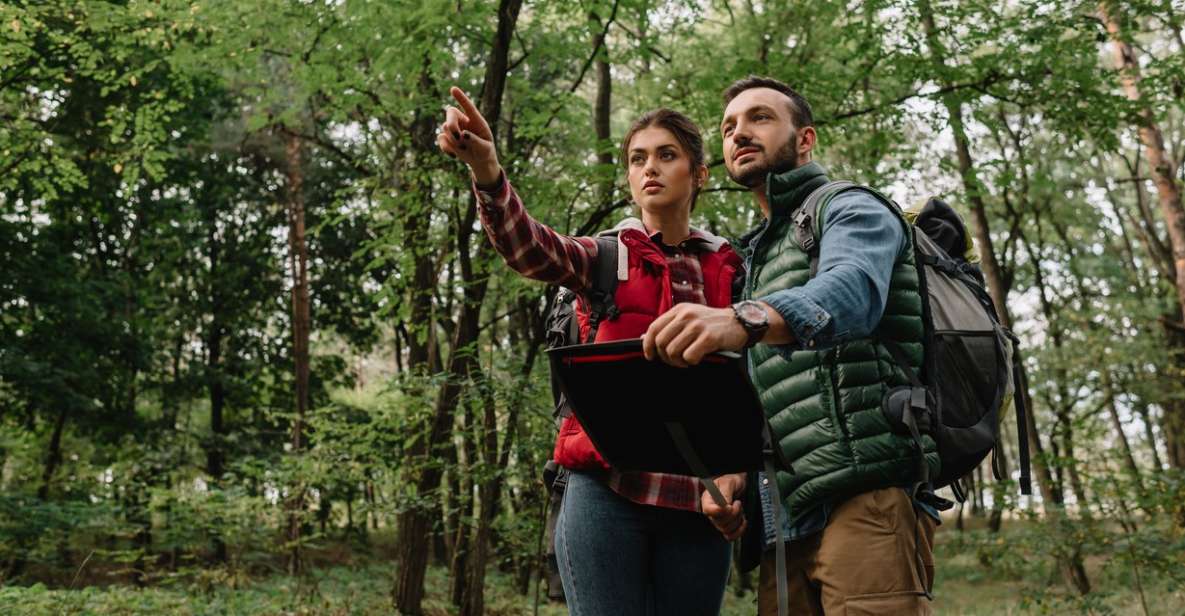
<point>1023,563</point>
<point>146,379</point>
<point>360,589</point>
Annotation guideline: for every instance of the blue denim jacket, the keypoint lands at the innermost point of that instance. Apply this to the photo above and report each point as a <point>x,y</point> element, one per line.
<point>845,300</point>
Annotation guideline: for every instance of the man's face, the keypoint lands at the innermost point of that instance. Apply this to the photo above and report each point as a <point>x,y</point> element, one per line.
<point>759,136</point>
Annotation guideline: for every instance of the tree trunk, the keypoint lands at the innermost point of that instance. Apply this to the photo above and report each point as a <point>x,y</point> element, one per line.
<point>495,459</point>
<point>214,454</point>
<point>996,518</point>
<point>1141,409</point>
<point>978,503</point>
<point>1071,564</point>
<point>1159,158</point>
<point>414,524</point>
<point>298,263</point>
<point>601,113</point>
<point>139,516</point>
<point>350,494</point>
<point>1071,463</point>
<point>1163,169</point>
<point>53,457</point>
<point>492,458</point>
<point>489,492</point>
<point>450,500</point>
<point>1172,420</point>
<point>1064,403</point>
<point>1129,460</point>
<point>461,513</point>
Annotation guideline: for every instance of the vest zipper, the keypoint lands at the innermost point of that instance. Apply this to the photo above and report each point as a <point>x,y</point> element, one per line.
<point>750,277</point>
<point>750,280</point>
<point>837,402</point>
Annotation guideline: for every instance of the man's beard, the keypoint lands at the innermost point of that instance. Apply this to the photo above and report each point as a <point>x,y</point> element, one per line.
<point>784,159</point>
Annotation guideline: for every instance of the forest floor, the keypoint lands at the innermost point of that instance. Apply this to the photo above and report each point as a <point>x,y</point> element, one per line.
<point>964,587</point>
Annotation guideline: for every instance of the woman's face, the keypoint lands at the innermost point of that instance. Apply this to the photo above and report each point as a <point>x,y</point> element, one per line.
<point>660,173</point>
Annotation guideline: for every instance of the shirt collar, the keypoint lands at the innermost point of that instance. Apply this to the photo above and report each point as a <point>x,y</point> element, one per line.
<point>695,239</point>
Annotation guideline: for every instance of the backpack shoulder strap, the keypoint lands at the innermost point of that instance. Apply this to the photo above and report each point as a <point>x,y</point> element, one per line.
<point>600,295</point>
<point>808,218</point>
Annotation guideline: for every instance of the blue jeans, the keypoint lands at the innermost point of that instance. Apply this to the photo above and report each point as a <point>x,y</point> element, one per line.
<point>619,558</point>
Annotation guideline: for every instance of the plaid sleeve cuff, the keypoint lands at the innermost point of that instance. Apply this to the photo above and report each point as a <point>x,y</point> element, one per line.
<point>492,189</point>
<point>492,199</point>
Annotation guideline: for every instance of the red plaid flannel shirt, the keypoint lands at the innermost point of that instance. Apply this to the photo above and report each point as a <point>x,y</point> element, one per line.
<point>536,251</point>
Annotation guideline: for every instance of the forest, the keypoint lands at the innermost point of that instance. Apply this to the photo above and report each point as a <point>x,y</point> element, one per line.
<point>257,355</point>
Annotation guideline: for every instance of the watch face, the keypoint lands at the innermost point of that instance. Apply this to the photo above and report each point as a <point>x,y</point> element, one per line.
<point>752,312</point>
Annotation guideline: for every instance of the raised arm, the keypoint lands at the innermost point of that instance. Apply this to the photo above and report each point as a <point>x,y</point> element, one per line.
<point>466,136</point>
<point>528,246</point>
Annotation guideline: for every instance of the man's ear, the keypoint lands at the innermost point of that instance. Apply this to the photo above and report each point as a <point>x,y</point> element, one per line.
<point>806,143</point>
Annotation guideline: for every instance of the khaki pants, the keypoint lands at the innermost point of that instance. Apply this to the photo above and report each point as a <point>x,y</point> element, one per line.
<point>862,564</point>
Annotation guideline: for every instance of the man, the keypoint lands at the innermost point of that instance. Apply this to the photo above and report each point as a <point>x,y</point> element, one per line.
<point>859,543</point>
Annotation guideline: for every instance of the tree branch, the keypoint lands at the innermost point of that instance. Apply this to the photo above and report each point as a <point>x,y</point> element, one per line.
<point>598,217</point>
<point>724,189</point>
<point>976,85</point>
<point>499,317</point>
<point>1167,322</point>
<point>333,148</point>
<point>651,48</point>
<point>530,149</point>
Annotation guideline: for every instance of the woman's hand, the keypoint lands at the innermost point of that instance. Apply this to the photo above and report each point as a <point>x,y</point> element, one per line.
<point>730,521</point>
<point>466,135</point>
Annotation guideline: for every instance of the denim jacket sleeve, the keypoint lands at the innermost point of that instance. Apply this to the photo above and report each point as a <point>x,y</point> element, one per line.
<point>846,299</point>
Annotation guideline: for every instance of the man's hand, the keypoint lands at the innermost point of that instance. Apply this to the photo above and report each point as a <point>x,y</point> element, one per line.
<point>729,521</point>
<point>465,135</point>
<point>683,335</point>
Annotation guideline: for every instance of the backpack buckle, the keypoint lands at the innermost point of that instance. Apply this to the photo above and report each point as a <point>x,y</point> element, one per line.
<point>917,398</point>
<point>808,242</point>
<point>924,493</point>
<point>802,232</point>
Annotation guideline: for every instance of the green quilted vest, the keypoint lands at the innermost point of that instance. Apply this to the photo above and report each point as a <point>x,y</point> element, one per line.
<point>824,406</point>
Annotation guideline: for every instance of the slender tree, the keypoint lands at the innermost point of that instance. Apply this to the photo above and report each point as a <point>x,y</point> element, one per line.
<point>298,268</point>
<point>1163,169</point>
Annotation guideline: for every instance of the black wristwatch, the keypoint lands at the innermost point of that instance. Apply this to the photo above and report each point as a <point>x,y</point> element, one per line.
<point>753,318</point>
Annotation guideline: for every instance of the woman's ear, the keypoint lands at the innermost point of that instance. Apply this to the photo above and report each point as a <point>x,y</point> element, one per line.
<point>701,176</point>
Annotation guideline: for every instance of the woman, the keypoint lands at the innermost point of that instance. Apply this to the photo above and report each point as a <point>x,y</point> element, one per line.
<point>627,543</point>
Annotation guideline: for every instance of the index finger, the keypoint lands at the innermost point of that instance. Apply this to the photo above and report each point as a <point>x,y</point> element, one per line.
<point>649,346</point>
<point>463,100</point>
<point>452,114</point>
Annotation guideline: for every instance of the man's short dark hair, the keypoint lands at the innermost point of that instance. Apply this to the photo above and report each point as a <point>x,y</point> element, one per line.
<point>800,110</point>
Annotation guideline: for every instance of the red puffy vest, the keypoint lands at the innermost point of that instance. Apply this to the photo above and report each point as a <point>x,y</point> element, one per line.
<point>643,293</point>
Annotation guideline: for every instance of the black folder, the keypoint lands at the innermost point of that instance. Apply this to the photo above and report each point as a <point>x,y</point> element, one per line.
<point>645,415</point>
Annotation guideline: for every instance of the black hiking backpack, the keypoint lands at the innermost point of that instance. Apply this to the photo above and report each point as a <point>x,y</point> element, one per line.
<point>563,328</point>
<point>971,372</point>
